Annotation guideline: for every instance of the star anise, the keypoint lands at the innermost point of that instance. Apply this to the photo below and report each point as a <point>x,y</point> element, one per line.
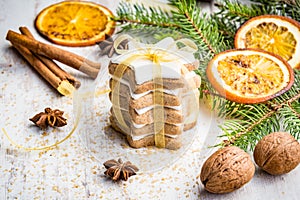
<point>118,170</point>
<point>107,46</point>
<point>53,118</point>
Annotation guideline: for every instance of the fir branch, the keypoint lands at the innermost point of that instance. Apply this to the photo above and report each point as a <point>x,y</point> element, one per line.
<point>289,8</point>
<point>150,34</point>
<point>148,25</point>
<point>188,19</point>
<point>234,9</point>
<point>232,14</point>
<point>291,119</point>
<point>292,110</point>
<point>138,14</point>
<point>201,28</point>
<point>256,120</point>
<point>189,15</point>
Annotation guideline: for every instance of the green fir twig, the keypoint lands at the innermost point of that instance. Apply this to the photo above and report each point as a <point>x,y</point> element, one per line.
<point>140,15</point>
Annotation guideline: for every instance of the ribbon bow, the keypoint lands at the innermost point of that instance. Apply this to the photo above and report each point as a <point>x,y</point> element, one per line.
<point>157,55</point>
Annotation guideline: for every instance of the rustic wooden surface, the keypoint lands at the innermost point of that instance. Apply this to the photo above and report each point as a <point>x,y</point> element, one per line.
<point>69,171</point>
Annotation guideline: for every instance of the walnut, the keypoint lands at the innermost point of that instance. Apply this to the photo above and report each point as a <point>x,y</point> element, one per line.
<point>277,153</point>
<point>227,170</point>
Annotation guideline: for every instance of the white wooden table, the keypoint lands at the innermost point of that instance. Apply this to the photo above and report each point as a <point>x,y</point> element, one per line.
<point>70,171</point>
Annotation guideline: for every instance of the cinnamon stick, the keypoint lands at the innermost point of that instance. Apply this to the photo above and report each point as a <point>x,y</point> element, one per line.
<point>89,62</point>
<point>64,87</point>
<point>63,75</point>
<point>52,52</point>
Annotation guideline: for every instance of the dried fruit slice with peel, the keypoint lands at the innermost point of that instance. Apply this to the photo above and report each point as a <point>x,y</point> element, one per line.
<point>276,34</point>
<point>249,76</point>
<point>74,23</point>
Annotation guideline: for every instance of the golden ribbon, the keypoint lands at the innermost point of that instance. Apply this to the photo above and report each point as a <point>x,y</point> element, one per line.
<point>157,56</point>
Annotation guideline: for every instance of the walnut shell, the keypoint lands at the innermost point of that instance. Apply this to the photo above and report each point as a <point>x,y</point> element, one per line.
<point>277,153</point>
<point>227,170</point>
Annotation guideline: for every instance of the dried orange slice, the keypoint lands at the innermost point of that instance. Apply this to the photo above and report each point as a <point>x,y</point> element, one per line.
<point>74,23</point>
<point>276,34</point>
<point>249,76</point>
